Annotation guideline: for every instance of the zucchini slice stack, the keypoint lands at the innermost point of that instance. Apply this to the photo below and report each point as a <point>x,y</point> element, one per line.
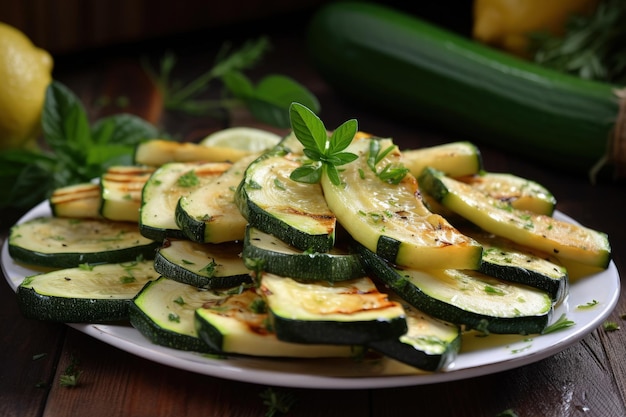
<point>236,258</point>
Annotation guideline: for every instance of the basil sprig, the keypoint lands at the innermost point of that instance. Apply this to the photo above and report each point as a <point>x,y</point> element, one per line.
<point>325,153</point>
<point>73,150</point>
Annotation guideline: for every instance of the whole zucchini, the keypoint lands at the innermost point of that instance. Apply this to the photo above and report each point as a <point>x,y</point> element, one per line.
<point>396,62</point>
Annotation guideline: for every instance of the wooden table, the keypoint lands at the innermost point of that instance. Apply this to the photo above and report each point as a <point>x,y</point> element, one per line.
<point>588,378</point>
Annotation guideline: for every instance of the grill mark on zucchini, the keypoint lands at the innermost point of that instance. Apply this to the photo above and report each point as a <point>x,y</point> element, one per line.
<point>494,306</point>
<point>236,325</point>
<point>392,219</point>
<point>210,214</point>
<point>79,201</point>
<point>348,312</point>
<point>295,212</point>
<point>121,192</point>
<point>562,239</point>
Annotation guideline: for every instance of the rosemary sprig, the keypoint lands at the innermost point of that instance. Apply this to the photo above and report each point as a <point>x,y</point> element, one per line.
<point>593,47</point>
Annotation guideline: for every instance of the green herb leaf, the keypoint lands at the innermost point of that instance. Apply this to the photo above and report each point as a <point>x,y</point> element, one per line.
<point>318,147</point>
<point>74,153</point>
<point>308,128</point>
<point>561,324</point>
<point>70,376</point>
<point>593,47</point>
<point>277,401</point>
<point>268,101</point>
<point>309,174</point>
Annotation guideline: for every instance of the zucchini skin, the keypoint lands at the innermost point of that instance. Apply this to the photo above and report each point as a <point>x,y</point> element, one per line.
<point>446,311</point>
<point>396,62</point>
<point>71,310</point>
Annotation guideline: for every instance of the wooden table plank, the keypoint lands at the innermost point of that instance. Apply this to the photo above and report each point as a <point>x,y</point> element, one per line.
<point>146,388</point>
<point>29,351</point>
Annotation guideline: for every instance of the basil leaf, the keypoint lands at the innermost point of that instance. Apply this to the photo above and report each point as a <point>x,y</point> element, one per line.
<point>268,113</point>
<point>123,129</point>
<point>27,187</point>
<point>238,85</point>
<point>64,120</point>
<point>281,91</point>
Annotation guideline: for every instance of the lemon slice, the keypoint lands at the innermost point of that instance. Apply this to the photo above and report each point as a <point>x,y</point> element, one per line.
<point>242,138</point>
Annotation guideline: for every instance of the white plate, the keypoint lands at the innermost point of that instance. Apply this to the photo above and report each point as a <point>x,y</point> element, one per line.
<point>479,356</point>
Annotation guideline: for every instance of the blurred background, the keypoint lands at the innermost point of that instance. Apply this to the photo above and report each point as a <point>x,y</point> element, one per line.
<point>69,26</point>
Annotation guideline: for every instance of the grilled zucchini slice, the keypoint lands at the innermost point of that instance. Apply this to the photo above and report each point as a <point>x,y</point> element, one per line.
<point>157,217</point>
<point>84,294</point>
<point>238,324</point>
<point>429,344</point>
<point>121,192</point>
<point>273,255</point>
<point>78,201</point>
<point>157,152</point>
<point>562,239</point>
<point>163,312</point>
<point>294,212</point>
<point>455,159</point>
<point>202,265</point>
<point>209,214</point>
<point>351,312</point>
<point>466,297</point>
<point>390,219</point>
<point>521,193</point>
<point>60,242</point>
<point>509,261</point>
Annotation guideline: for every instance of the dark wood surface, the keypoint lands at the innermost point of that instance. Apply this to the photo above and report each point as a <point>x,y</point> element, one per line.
<point>586,379</point>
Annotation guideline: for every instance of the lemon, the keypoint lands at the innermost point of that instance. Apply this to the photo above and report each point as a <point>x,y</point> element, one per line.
<point>25,72</point>
<point>242,138</point>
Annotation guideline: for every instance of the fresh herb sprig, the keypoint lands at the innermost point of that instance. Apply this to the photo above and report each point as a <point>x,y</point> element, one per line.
<point>277,402</point>
<point>561,323</point>
<point>392,173</point>
<point>72,151</point>
<point>268,101</point>
<point>593,47</point>
<point>325,152</point>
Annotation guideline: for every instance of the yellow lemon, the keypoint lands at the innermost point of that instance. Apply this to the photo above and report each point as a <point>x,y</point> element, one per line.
<point>506,24</point>
<point>25,73</point>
